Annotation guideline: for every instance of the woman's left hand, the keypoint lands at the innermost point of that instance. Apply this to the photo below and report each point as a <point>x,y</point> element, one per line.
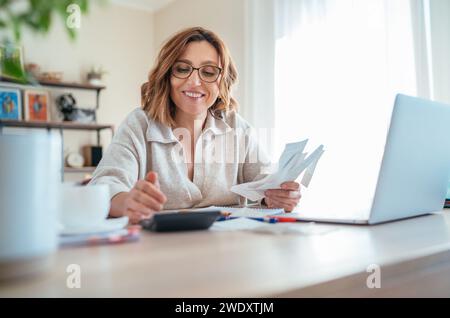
<point>287,197</point>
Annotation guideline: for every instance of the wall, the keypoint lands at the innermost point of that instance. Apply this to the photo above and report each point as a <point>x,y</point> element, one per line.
<point>224,17</point>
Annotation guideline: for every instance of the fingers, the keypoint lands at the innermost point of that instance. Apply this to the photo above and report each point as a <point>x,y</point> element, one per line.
<point>153,178</point>
<point>287,197</point>
<point>283,194</point>
<point>151,190</point>
<point>135,217</point>
<point>290,185</point>
<point>134,205</point>
<point>146,200</point>
<point>288,206</point>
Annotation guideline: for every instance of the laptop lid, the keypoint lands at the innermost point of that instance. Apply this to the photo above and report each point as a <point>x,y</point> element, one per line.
<point>415,168</point>
<point>350,174</point>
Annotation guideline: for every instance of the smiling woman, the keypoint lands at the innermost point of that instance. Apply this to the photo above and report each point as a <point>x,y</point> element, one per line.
<point>187,91</point>
<point>198,48</point>
<point>188,112</point>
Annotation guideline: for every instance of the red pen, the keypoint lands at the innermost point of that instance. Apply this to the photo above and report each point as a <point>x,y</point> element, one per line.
<point>283,218</point>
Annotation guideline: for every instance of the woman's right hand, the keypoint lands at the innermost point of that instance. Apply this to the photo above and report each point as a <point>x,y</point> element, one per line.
<point>143,200</point>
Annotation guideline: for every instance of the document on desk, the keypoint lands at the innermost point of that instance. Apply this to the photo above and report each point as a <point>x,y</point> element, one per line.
<point>249,212</point>
<point>292,163</point>
<point>249,225</point>
<point>235,211</point>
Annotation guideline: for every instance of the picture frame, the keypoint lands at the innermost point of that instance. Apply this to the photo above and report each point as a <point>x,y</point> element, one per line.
<point>10,103</point>
<point>36,105</point>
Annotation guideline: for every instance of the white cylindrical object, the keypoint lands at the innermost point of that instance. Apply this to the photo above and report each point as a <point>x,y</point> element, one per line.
<point>30,168</point>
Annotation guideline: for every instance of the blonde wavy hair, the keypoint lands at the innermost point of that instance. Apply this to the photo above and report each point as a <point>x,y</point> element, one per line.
<point>155,93</point>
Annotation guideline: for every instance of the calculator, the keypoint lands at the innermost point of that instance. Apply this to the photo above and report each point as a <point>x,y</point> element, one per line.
<point>181,221</point>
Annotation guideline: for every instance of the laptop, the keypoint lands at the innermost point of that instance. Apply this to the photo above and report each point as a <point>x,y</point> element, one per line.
<point>412,175</point>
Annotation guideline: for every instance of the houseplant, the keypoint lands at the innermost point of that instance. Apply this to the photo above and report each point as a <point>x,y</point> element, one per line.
<point>95,75</point>
<point>37,16</point>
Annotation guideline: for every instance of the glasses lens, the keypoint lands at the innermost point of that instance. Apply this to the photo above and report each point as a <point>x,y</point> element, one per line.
<point>209,73</point>
<point>181,70</point>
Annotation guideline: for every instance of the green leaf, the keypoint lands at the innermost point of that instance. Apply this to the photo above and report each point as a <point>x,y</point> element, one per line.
<point>16,25</point>
<point>29,20</point>
<point>45,21</point>
<point>39,15</point>
<point>83,5</point>
<point>4,3</point>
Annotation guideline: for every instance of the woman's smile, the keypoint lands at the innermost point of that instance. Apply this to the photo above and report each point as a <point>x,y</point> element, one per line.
<point>194,95</point>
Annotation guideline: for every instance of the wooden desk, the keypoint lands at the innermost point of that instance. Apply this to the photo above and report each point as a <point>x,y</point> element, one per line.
<point>414,256</point>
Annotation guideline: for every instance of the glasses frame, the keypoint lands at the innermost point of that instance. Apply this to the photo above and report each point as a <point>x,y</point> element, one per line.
<point>198,70</point>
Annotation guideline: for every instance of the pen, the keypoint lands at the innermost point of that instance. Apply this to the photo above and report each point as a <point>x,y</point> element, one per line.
<point>268,219</point>
<point>261,219</point>
<point>265,219</point>
<point>226,217</point>
<point>284,218</point>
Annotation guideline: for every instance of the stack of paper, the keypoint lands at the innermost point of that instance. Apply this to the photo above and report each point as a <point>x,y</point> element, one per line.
<point>291,164</point>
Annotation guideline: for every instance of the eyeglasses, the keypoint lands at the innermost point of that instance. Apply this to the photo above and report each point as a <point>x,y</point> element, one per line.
<point>207,73</point>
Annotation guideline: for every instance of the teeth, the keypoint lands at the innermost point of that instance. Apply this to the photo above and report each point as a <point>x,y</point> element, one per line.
<point>196,95</point>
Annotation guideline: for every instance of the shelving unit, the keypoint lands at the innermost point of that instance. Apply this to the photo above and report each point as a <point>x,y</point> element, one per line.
<point>62,85</point>
<point>56,125</point>
<point>61,126</point>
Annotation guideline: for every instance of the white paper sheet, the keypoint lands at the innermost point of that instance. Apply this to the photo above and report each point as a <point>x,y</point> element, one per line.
<point>291,164</point>
<point>250,212</point>
<point>249,225</point>
<point>238,224</point>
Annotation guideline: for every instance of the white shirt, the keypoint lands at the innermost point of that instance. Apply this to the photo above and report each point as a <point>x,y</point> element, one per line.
<point>224,156</point>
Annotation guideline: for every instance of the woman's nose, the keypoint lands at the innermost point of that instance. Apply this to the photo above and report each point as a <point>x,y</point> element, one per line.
<point>195,78</point>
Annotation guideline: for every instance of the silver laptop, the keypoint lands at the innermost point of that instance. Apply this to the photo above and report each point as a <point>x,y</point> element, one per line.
<point>412,174</point>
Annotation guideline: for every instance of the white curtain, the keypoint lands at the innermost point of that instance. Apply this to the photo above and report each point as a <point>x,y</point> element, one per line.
<point>338,66</point>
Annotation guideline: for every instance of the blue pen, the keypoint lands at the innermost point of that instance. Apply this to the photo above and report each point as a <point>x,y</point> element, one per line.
<point>268,220</point>
<point>262,219</point>
<point>226,217</point>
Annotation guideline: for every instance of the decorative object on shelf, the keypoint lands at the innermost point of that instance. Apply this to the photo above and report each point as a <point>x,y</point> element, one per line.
<point>11,62</point>
<point>51,77</point>
<point>67,106</point>
<point>10,103</point>
<point>36,105</point>
<point>92,155</point>
<point>33,70</point>
<point>95,75</point>
<point>75,160</point>
<point>84,115</point>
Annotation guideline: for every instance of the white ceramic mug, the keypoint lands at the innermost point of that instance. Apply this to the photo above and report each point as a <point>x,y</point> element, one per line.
<point>30,174</point>
<point>83,207</point>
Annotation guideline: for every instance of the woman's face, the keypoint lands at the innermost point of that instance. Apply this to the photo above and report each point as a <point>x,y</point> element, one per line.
<point>192,95</point>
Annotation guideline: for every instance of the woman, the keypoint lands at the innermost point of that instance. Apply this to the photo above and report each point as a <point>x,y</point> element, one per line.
<point>187,145</point>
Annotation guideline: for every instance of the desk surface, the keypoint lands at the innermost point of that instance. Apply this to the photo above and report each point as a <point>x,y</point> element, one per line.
<point>237,264</point>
